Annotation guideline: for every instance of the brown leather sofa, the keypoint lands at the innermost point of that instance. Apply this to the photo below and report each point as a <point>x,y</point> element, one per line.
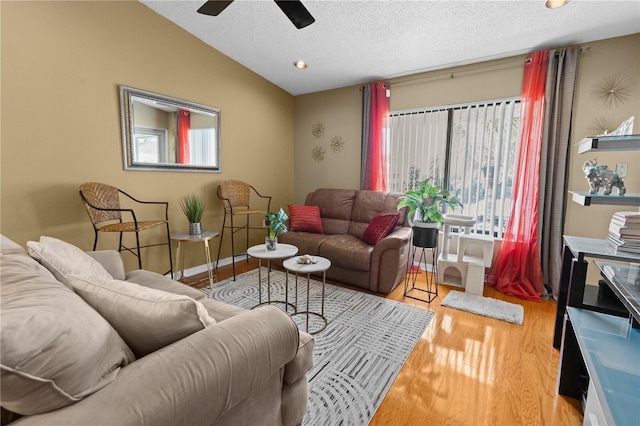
<point>345,215</point>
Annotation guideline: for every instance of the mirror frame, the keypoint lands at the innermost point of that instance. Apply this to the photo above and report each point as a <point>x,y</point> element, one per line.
<point>126,114</point>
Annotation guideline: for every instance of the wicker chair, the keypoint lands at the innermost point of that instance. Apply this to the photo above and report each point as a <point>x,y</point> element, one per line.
<point>235,196</point>
<point>102,203</point>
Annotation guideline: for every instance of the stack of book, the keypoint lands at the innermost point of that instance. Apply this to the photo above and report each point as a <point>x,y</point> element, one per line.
<point>624,231</point>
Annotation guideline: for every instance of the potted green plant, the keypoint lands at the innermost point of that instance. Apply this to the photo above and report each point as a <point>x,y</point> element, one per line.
<point>425,205</point>
<point>276,225</point>
<point>192,207</point>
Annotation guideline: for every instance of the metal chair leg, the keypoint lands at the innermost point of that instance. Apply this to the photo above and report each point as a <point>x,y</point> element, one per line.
<point>169,245</point>
<point>224,221</point>
<point>138,247</point>
<point>233,251</point>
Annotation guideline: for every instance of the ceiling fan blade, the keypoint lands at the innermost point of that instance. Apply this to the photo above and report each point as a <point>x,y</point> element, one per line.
<point>296,12</point>
<point>214,7</point>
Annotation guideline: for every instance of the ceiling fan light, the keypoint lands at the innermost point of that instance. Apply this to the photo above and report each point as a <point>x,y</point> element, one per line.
<point>554,4</point>
<point>300,65</point>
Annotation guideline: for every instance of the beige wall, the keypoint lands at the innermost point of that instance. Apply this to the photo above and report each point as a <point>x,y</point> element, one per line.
<point>340,111</point>
<point>62,63</point>
<point>605,59</point>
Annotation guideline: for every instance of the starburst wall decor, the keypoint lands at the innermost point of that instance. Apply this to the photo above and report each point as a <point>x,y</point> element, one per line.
<point>602,125</point>
<point>337,144</point>
<point>613,90</point>
<point>318,129</point>
<point>317,153</point>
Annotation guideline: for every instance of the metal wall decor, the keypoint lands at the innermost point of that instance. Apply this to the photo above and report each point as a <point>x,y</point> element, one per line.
<point>613,90</point>
<point>317,153</point>
<point>602,125</point>
<point>318,129</point>
<point>337,144</point>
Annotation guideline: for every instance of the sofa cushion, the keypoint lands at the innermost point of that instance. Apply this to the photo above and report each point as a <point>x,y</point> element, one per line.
<point>347,251</point>
<point>367,205</point>
<point>62,259</point>
<point>306,242</point>
<point>54,348</point>
<point>335,208</point>
<point>147,319</point>
<point>303,362</point>
<point>305,219</point>
<point>160,282</point>
<point>379,227</point>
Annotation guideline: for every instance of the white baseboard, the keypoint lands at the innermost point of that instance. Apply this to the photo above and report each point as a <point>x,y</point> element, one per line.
<point>195,270</point>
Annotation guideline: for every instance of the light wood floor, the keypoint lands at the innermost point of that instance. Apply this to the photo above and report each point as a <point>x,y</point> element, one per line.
<point>472,370</point>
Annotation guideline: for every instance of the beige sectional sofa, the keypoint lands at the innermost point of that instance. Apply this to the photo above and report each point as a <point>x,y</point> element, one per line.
<point>345,215</point>
<point>79,347</point>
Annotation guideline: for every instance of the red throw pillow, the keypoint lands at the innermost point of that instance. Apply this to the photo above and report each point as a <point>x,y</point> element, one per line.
<point>305,219</point>
<point>379,227</point>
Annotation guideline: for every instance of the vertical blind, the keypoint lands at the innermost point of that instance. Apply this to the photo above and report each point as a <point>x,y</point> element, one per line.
<point>203,151</point>
<point>469,149</point>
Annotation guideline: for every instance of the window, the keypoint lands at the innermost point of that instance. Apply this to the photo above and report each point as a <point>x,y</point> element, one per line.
<point>150,145</point>
<point>470,149</point>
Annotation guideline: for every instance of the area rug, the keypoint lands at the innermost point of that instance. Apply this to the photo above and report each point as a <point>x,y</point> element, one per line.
<point>357,356</point>
<point>485,306</point>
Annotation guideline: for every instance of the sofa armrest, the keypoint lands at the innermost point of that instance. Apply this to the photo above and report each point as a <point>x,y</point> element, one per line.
<point>388,260</point>
<point>395,240</point>
<point>111,261</point>
<point>193,381</point>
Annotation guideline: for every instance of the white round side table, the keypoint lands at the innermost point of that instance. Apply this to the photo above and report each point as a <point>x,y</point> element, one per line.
<point>320,264</point>
<point>282,251</point>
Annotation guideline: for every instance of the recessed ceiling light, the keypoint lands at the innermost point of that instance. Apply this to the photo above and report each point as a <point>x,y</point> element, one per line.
<point>300,65</point>
<point>554,4</point>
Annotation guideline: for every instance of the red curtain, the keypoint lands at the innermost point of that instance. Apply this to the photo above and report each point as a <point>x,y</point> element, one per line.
<point>374,150</point>
<point>517,271</point>
<point>184,126</point>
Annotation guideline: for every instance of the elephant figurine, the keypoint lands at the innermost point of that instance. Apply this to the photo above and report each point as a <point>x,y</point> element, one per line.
<point>602,176</point>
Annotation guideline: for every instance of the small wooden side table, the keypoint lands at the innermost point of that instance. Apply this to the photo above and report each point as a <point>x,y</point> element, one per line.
<point>204,237</point>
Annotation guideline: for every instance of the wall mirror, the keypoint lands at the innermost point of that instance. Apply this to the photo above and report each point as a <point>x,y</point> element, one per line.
<point>164,133</point>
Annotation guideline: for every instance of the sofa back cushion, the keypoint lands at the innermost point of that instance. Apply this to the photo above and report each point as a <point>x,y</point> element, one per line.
<point>336,206</point>
<point>147,319</point>
<point>368,204</point>
<point>54,348</point>
<point>62,259</point>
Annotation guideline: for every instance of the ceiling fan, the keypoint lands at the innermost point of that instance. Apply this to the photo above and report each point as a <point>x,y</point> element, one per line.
<point>295,10</point>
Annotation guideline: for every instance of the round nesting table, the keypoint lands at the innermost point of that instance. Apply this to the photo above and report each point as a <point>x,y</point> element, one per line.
<point>320,264</point>
<point>260,252</point>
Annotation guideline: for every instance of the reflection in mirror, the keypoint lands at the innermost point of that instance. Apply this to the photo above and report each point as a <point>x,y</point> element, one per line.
<point>164,133</point>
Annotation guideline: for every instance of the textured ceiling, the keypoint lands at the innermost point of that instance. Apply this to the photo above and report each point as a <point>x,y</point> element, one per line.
<point>354,42</point>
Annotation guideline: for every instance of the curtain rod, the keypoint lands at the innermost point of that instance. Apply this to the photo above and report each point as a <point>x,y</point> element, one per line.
<point>480,67</point>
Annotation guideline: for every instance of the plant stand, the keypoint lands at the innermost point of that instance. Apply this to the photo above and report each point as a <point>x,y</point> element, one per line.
<point>421,244</point>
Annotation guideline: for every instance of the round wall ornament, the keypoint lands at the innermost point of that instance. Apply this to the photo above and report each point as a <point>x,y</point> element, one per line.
<point>613,90</point>
<point>337,144</point>
<point>318,129</point>
<point>317,153</point>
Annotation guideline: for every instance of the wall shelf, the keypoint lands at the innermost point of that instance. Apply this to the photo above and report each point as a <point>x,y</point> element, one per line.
<point>586,199</point>
<point>609,143</point>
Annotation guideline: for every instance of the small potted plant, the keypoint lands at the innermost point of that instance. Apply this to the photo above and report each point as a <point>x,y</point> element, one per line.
<point>193,206</point>
<point>425,210</point>
<point>276,224</point>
